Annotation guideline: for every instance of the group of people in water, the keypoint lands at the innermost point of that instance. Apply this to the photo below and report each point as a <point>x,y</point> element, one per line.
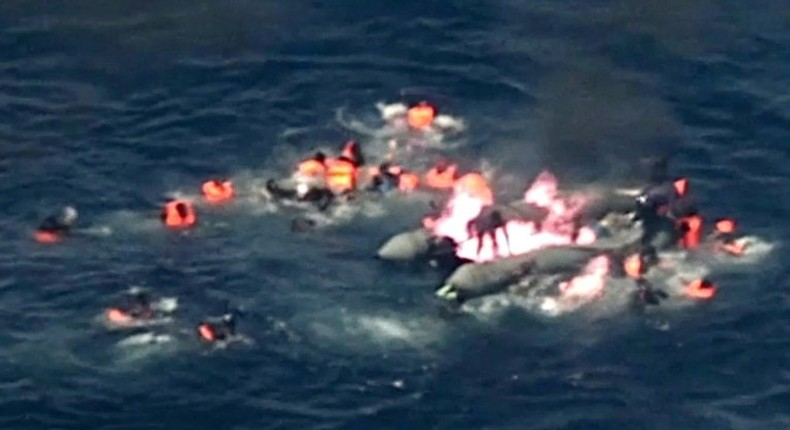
<point>666,205</point>
<point>322,180</point>
<point>138,308</point>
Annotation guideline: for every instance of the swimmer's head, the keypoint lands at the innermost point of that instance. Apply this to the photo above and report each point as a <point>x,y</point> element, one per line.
<point>69,216</point>
<point>181,208</point>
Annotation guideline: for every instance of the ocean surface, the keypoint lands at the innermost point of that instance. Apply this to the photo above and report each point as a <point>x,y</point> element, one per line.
<point>112,106</point>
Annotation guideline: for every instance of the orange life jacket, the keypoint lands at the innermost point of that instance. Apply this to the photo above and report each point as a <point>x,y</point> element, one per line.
<point>681,186</point>
<point>311,167</point>
<point>44,236</point>
<point>215,191</point>
<point>441,180</point>
<point>725,226</point>
<point>633,266</point>
<point>172,218</point>
<point>341,175</point>
<point>408,182</point>
<point>700,289</point>
<point>475,185</point>
<point>206,332</point>
<point>693,231</point>
<point>420,116</point>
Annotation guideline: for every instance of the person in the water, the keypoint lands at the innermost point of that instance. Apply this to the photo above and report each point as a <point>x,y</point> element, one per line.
<point>56,227</point>
<point>635,267</point>
<point>353,153</point>
<point>724,238</point>
<point>136,305</point>
<point>313,167</point>
<point>389,177</point>
<point>442,175</point>
<point>178,214</point>
<point>217,329</point>
<point>420,115</point>
<point>658,224</point>
<point>384,180</point>
<point>217,190</point>
<point>320,196</point>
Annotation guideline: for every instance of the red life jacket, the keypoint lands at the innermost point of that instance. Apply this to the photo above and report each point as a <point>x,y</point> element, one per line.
<point>172,217</point>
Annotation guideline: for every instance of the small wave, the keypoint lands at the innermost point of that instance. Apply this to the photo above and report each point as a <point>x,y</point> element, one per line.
<point>144,339</point>
<point>756,249</point>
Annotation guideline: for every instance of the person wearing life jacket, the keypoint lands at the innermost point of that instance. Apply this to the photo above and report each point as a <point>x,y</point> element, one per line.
<point>407,181</point>
<point>658,225</point>
<point>635,266</point>
<point>441,176</point>
<point>689,230</point>
<point>217,191</point>
<point>420,115</point>
<point>701,289</point>
<point>313,167</point>
<point>388,177</point>
<point>486,224</point>
<point>321,197</point>
<point>667,198</point>
<point>56,227</point>
<point>384,178</point>
<point>475,185</point>
<point>277,192</point>
<point>724,238</point>
<point>341,175</point>
<point>353,153</point>
<point>136,305</point>
<point>178,214</point>
<point>217,329</point>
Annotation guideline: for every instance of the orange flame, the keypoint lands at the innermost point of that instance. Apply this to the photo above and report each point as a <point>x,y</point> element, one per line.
<point>471,194</point>
<point>590,283</point>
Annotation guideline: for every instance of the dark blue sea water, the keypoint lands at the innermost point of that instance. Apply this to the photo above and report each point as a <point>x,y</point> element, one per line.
<point>111,105</point>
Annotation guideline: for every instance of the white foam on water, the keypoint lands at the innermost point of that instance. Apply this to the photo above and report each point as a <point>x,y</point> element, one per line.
<point>370,333</point>
<point>391,111</point>
<point>235,339</point>
<point>144,339</point>
<point>394,126</point>
<point>133,222</point>
<point>132,351</point>
<point>167,304</point>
